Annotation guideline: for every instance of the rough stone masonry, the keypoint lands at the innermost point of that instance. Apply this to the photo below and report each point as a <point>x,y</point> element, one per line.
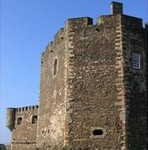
<point>92,88</point>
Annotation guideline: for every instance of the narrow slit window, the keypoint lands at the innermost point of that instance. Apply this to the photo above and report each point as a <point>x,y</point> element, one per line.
<point>136,60</point>
<point>34,119</point>
<point>19,121</point>
<point>55,67</point>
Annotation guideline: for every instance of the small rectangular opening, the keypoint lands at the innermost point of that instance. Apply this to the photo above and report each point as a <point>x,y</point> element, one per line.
<point>19,121</point>
<point>34,119</point>
<point>136,60</point>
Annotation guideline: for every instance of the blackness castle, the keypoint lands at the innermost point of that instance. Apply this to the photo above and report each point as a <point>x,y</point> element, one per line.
<point>92,88</point>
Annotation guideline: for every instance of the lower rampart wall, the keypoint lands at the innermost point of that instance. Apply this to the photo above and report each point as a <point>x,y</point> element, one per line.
<point>24,133</point>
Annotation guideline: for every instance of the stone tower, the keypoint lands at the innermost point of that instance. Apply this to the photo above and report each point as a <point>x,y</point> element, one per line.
<point>10,120</point>
<point>93,85</point>
<point>92,89</point>
<point>22,123</point>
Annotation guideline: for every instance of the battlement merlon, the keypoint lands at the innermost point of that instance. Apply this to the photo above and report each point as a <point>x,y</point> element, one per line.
<point>79,22</point>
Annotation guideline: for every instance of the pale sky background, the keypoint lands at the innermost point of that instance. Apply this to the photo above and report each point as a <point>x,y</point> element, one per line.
<point>27,26</point>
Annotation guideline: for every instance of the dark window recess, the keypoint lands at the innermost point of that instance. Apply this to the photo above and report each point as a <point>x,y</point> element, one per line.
<point>19,121</point>
<point>34,119</point>
<point>97,132</point>
<point>55,67</point>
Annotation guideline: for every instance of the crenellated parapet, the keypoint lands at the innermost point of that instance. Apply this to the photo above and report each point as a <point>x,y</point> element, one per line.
<point>12,113</point>
<point>26,108</point>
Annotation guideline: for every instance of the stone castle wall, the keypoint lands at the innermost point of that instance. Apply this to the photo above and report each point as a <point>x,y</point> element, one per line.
<point>51,123</point>
<point>24,133</point>
<point>91,96</point>
<point>134,40</point>
<point>92,82</point>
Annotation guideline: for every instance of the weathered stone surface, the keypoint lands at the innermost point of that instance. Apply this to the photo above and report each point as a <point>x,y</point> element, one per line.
<point>24,133</point>
<point>91,98</point>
